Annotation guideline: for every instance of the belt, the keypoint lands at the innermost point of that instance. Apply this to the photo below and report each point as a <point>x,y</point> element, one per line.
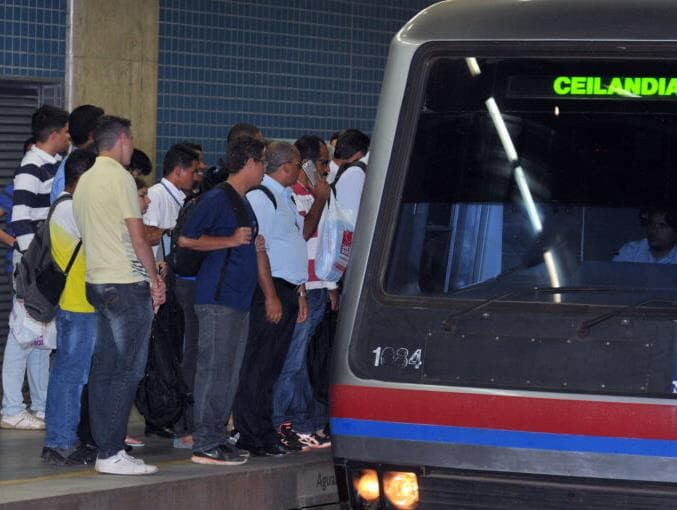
<point>285,283</point>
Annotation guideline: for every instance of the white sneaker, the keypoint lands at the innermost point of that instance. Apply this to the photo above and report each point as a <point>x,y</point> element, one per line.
<point>39,414</point>
<point>22,421</point>
<point>123,464</point>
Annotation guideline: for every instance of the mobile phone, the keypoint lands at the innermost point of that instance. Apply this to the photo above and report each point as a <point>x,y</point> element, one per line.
<point>311,171</point>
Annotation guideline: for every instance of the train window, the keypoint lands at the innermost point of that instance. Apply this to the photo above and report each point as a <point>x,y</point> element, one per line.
<point>534,174</point>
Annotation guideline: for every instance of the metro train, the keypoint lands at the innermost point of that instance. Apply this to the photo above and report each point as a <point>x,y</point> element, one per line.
<point>509,317</point>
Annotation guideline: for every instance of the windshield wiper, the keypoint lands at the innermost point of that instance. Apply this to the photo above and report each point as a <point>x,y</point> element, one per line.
<point>584,327</point>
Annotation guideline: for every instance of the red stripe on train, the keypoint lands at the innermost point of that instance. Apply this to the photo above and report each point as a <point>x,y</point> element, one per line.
<point>557,416</point>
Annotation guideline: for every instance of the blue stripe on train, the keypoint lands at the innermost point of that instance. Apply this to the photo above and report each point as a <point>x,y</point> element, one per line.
<point>502,438</point>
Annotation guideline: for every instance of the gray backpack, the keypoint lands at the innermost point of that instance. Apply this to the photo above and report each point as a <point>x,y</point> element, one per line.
<point>38,279</point>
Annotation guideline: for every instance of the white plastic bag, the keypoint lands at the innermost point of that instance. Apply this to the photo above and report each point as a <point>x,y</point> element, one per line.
<point>29,332</point>
<point>334,241</point>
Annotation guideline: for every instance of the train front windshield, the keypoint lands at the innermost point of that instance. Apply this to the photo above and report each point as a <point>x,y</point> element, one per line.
<point>531,157</point>
<point>535,238</point>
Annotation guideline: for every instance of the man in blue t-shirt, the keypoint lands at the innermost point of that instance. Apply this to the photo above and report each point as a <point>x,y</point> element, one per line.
<point>223,295</point>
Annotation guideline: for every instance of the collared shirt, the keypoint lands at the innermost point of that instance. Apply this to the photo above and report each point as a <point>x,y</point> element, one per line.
<point>166,201</point>
<point>639,251</point>
<point>32,184</point>
<point>104,198</point>
<point>282,229</point>
<point>59,183</point>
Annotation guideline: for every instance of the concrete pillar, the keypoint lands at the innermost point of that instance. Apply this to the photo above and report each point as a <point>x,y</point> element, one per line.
<point>112,62</point>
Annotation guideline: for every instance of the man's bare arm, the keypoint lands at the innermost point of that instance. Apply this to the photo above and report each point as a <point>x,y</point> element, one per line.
<point>153,234</point>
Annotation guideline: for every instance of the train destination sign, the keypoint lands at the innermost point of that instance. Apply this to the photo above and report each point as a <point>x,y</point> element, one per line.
<point>619,86</point>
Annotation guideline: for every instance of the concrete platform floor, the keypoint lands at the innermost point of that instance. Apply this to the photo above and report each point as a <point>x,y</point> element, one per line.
<point>300,480</point>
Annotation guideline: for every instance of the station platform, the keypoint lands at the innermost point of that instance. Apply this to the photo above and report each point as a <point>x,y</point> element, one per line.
<point>300,480</point>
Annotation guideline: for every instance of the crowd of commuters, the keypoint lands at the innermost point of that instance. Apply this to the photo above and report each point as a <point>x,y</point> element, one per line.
<point>249,313</point>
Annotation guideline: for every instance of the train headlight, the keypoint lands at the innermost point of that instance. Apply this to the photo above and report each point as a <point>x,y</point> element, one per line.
<point>401,489</point>
<point>366,485</point>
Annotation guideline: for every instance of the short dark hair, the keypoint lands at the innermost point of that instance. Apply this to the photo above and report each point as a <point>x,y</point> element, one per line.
<point>349,142</point>
<point>82,121</point>
<point>193,146</point>
<point>140,183</point>
<point>242,150</point>
<point>309,146</point>
<point>108,129</point>
<point>334,136</point>
<point>178,154</point>
<point>240,130</point>
<point>78,162</point>
<point>28,142</point>
<point>670,213</point>
<point>46,120</point>
<point>140,162</point>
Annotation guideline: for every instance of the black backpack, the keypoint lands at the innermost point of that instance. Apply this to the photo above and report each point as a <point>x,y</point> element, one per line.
<point>38,279</point>
<point>187,262</point>
<point>162,395</point>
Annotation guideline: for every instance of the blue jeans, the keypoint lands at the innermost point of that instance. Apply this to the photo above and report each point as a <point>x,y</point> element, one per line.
<point>124,315</point>
<point>18,361</point>
<point>293,394</point>
<point>222,342</point>
<point>70,370</point>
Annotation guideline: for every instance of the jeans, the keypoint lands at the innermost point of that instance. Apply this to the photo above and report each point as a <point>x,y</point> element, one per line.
<point>222,341</point>
<point>16,363</point>
<point>69,373</point>
<point>185,295</point>
<point>293,395</point>
<point>124,316</point>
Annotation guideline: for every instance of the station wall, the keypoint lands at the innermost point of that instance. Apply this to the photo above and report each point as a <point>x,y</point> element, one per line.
<point>290,67</point>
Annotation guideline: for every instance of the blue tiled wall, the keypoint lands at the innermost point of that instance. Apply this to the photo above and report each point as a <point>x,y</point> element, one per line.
<point>33,38</point>
<point>289,66</point>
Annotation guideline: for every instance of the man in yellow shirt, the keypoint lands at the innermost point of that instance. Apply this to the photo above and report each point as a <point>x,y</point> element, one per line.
<point>76,327</point>
<point>124,288</point>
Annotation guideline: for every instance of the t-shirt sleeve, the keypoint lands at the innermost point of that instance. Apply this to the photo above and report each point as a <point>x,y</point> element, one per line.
<point>204,218</point>
<point>264,210</point>
<point>129,199</point>
<point>153,214</point>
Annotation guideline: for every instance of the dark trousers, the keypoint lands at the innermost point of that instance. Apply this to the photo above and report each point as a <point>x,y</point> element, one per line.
<point>124,315</point>
<point>185,295</point>
<point>264,357</point>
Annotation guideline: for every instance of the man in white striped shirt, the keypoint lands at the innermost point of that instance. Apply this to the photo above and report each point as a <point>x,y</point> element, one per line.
<point>32,185</point>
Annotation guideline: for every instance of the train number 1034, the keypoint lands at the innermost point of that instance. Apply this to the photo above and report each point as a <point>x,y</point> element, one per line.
<point>397,357</point>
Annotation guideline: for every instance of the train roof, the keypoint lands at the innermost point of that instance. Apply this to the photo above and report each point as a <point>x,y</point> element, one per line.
<point>543,20</point>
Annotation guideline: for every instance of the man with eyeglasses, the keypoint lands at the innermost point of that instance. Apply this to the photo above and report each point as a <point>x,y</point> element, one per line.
<point>279,301</point>
<point>297,415</point>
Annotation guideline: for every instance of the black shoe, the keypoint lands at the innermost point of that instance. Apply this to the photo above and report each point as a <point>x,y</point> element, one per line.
<point>235,450</point>
<point>290,439</point>
<point>54,456</point>
<point>166,432</point>
<point>277,450</point>
<point>219,456</point>
<point>83,455</point>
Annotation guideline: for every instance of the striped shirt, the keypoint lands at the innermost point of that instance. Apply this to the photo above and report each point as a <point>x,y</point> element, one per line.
<point>304,201</point>
<point>32,185</point>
